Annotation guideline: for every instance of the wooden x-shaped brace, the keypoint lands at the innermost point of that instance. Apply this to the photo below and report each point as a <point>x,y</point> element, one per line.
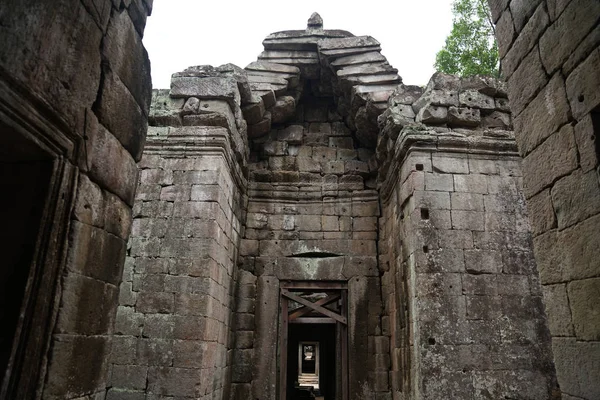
<point>316,306</point>
<point>321,302</point>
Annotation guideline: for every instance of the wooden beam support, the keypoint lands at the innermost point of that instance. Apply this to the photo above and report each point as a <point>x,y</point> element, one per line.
<point>314,306</point>
<point>321,302</point>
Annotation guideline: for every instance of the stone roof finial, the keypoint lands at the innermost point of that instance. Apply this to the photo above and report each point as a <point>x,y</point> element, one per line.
<point>315,21</point>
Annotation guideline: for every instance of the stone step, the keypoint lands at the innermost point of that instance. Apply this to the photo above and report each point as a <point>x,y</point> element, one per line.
<point>292,61</point>
<point>324,34</point>
<point>366,69</point>
<point>271,67</point>
<point>305,43</point>
<point>292,79</point>
<point>369,57</point>
<point>273,74</point>
<point>264,86</point>
<point>301,40</point>
<point>274,79</point>
<point>276,54</point>
<point>374,88</point>
<point>337,53</point>
<point>349,42</point>
<point>373,79</point>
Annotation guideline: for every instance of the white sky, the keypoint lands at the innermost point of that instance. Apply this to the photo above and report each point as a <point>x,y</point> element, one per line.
<point>182,33</point>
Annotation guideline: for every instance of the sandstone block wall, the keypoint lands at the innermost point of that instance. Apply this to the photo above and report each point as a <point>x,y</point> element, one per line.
<point>173,324</point>
<point>463,281</point>
<point>442,291</point>
<point>75,78</point>
<point>550,58</point>
<point>312,209</point>
<point>460,284</point>
<point>311,217</point>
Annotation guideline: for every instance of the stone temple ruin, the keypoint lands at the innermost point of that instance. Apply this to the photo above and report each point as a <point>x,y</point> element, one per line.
<point>306,227</point>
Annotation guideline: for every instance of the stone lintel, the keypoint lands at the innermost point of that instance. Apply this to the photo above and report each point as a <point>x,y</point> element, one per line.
<point>328,33</point>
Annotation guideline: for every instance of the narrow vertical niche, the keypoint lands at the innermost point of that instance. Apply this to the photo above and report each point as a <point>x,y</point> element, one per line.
<point>25,173</point>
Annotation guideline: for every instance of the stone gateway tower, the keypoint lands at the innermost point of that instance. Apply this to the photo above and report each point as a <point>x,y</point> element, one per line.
<point>308,227</point>
<point>311,227</point>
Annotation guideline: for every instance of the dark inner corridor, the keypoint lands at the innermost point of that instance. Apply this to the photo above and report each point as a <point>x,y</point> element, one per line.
<point>325,335</point>
<point>25,175</point>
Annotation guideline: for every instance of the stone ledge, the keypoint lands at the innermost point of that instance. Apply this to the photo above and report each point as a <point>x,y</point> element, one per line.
<point>193,141</point>
<point>418,137</point>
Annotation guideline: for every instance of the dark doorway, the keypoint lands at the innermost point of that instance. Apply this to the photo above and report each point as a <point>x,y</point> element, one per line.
<point>25,173</point>
<point>324,338</point>
<point>313,341</point>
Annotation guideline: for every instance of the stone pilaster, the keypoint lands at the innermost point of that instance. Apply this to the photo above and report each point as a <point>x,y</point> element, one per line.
<point>173,325</point>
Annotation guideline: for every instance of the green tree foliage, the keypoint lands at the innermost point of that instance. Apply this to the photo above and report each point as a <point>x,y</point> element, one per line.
<point>471,47</point>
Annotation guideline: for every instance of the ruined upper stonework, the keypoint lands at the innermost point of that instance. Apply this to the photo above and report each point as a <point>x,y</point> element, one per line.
<point>311,227</point>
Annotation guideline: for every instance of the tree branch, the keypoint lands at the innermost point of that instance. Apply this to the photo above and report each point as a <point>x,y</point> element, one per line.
<point>488,16</point>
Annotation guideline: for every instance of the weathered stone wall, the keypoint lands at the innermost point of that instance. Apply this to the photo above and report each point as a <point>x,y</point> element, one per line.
<point>550,58</point>
<point>460,282</point>
<point>311,217</point>
<point>472,302</point>
<point>348,69</point>
<point>173,324</point>
<point>312,209</point>
<point>446,302</point>
<point>75,78</point>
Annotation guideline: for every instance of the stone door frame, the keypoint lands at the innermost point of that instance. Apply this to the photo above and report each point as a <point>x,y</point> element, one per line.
<point>36,123</point>
<point>287,289</point>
